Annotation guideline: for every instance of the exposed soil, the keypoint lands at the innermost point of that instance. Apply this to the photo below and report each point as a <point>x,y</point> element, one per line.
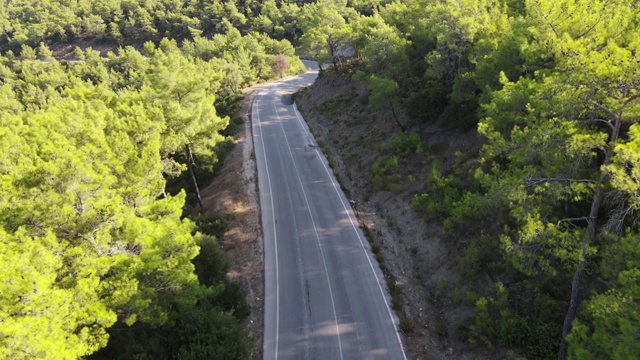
<point>412,251</point>
<point>234,194</point>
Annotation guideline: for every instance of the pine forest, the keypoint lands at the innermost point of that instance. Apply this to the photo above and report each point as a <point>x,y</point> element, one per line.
<point>108,106</point>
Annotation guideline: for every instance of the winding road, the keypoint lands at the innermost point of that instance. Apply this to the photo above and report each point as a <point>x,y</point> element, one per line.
<point>325,296</point>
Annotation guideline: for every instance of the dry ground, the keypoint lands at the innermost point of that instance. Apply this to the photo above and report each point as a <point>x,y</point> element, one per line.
<point>234,194</point>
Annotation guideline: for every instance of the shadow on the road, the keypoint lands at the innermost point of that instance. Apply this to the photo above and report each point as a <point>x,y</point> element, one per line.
<point>287,99</point>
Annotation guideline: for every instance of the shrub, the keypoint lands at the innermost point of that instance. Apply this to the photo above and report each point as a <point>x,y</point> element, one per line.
<point>481,256</point>
<point>442,196</point>
<point>407,144</point>
<point>385,165</point>
<point>280,65</point>
<point>382,173</point>
<point>211,264</point>
<point>498,323</point>
<point>423,203</point>
<point>211,225</point>
<point>233,300</point>
<point>407,325</point>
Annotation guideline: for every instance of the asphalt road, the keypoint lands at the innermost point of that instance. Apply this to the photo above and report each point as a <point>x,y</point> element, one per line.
<point>325,296</point>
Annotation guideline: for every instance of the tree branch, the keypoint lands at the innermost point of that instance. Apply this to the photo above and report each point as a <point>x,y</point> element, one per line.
<point>606,109</point>
<point>535,181</point>
<point>590,28</point>
<point>583,218</point>
<point>546,18</point>
<point>608,122</point>
<point>631,98</point>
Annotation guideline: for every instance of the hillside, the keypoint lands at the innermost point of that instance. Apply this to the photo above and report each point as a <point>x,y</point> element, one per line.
<point>511,129</point>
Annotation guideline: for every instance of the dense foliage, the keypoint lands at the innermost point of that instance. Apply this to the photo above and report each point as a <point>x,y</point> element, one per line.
<point>546,219</point>
<point>129,21</point>
<point>93,249</point>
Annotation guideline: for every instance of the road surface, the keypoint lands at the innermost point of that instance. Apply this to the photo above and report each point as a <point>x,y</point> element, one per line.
<point>325,296</point>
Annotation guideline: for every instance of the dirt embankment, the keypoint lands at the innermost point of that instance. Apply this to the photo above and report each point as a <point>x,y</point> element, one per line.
<point>420,265</point>
<point>234,195</point>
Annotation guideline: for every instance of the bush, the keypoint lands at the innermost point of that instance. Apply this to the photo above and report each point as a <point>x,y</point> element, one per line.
<point>498,323</point>
<point>207,332</point>
<point>424,204</point>
<point>211,225</point>
<point>407,325</point>
<point>427,104</point>
<point>441,198</point>
<point>232,299</point>
<point>481,256</point>
<point>280,65</point>
<point>385,165</point>
<point>211,264</point>
<point>407,144</point>
<point>203,331</point>
<point>383,176</point>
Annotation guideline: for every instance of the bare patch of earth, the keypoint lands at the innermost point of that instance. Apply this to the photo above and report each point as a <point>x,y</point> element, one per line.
<point>418,263</point>
<point>234,194</point>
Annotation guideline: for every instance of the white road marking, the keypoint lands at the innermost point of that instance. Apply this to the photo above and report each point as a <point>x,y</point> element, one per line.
<point>273,220</point>
<point>315,230</point>
<point>355,229</point>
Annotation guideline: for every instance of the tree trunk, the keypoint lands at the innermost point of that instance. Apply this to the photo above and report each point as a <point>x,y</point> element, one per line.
<point>574,300</point>
<point>333,55</point>
<point>590,234</point>
<point>191,164</point>
<point>395,117</point>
